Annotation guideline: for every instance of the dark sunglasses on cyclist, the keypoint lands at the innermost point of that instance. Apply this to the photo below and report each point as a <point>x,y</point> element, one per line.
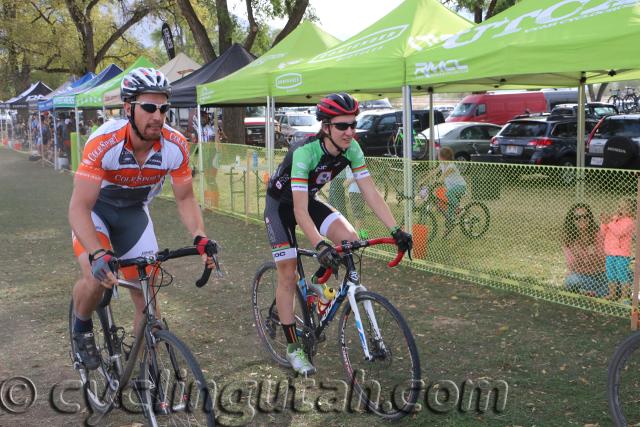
<point>151,108</point>
<point>344,125</point>
<point>580,216</point>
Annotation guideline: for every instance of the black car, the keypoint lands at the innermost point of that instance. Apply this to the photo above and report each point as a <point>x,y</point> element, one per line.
<point>541,140</point>
<point>377,127</point>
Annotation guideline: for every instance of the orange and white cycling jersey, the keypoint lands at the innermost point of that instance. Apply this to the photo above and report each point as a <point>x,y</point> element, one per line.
<point>108,158</point>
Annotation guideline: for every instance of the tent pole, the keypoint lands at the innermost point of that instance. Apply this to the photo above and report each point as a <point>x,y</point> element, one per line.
<point>200,159</point>
<point>29,128</point>
<point>269,142</point>
<point>432,136</point>
<point>580,151</point>
<point>41,148</point>
<point>407,142</point>
<point>55,142</point>
<point>78,151</point>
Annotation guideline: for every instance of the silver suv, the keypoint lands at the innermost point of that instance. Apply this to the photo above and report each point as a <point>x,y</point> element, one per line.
<point>623,125</point>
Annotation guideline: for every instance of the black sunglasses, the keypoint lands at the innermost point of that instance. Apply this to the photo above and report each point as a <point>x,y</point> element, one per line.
<point>344,125</point>
<point>151,108</point>
<point>580,216</point>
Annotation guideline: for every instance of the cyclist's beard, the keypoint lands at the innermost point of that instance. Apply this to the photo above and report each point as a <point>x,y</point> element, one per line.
<point>152,131</point>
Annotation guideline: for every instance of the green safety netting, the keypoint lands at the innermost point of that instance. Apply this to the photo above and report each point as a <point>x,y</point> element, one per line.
<point>536,43</point>
<point>250,85</point>
<point>373,60</point>
<point>94,97</point>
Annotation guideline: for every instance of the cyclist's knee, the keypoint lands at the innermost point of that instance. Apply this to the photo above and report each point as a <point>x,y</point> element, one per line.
<point>287,274</point>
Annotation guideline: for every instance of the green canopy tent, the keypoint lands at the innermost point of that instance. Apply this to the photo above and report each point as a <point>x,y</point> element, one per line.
<point>94,98</point>
<point>373,61</point>
<point>536,43</point>
<point>250,85</point>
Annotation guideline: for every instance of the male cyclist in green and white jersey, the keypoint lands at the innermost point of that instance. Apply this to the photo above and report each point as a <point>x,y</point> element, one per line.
<point>291,200</point>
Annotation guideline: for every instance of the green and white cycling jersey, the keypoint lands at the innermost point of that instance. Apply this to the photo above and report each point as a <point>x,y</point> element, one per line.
<point>309,166</point>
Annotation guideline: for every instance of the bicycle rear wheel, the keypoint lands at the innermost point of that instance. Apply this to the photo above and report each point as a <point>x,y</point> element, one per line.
<point>265,314</point>
<point>99,384</point>
<point>623,382</point>
<point>395,366</point>
<point>175,391</point>
<point>474,220</point>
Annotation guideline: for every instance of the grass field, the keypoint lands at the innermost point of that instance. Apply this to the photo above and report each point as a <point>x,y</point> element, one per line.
<point>552,357</point>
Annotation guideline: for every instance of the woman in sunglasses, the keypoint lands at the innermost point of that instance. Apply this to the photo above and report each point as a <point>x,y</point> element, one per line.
<point>123,168</point>
<point>291,200</point>
<point>583,246</point>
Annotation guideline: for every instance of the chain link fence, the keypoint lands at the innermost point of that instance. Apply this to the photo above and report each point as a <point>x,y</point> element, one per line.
<point>535,230</point>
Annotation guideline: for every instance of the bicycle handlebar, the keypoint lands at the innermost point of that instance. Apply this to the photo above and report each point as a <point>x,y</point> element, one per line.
<point>165,255</point>
<point>359,244</point>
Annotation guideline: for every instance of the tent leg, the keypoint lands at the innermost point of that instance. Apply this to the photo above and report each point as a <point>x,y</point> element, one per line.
<point>580,151</point>
<point>432,136</point>
<point>200,160</point>
<point>55,142</point>
<point>407,142</point>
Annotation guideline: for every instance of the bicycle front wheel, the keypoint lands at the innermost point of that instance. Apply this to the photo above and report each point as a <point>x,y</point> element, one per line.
<point>265,314</point>
<point>99,384</point>
<point>623,382</point>
<point>394,370</point>
<point>474,220</point>
<point>173,389</point>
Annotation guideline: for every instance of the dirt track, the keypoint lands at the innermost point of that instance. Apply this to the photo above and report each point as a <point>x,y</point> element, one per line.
<point>552,357</point>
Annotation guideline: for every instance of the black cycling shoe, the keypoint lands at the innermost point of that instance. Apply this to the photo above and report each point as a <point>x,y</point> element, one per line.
<point>86,350</point>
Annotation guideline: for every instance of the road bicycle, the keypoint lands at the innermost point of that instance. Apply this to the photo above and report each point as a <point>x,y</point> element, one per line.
<point>419,143</point>
<point>169,387</point>
<point>377,348</point>
<point>623,382</point>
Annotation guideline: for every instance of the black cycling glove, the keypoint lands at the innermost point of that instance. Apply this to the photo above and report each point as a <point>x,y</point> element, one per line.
<point>102,262</point>
<point>402,238</point>
<point>328,256</point>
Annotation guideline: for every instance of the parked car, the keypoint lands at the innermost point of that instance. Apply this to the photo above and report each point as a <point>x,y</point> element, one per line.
<point>254,131</point>
<point>376,104</point>
<point>499,108</point>
<point>376,128</point>
<point>593,110</point>
<point>547,140</point>
<point>464,138</point>
<point>293,127</point>
<point>626,129</point>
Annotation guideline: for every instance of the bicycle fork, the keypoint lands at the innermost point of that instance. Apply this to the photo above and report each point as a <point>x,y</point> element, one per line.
<point>377,337</point>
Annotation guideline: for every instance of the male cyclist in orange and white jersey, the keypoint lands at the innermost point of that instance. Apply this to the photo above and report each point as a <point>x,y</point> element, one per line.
<point>123,167</point>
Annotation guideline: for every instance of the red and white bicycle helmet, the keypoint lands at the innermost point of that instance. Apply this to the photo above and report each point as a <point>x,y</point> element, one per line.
<point>143,80</point>
<point>336,104</point>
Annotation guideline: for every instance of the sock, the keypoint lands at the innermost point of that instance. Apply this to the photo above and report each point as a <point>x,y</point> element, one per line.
<point>82,326</point>
<point>290,333</point>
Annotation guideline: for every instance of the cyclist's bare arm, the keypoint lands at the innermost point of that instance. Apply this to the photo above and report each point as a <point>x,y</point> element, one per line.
<point>190,212</point>
<point>301,212</point>
<point>375,201</point>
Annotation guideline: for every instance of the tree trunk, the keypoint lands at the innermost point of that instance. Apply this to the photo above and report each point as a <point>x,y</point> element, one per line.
<point>597,96</point>
<point>224,25</point>
<point>233,124</point>
<point>253,27</point>
<point>199,32</point>
<point>490,9</point>
<point>295,16</point>
<point>477,13</point>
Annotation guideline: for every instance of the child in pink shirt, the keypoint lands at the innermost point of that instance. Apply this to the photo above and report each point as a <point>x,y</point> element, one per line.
<point>619,231</point>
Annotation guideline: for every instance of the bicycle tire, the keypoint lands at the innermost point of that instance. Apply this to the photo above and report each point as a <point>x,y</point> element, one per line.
<point>391,146</point>
<point>263,300</point>
<point>95,382</point>
<point>624,389</point>
<point>474,220</point>
<point>630,103</point>
<point>180,394</point>
<point>402,354</point>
